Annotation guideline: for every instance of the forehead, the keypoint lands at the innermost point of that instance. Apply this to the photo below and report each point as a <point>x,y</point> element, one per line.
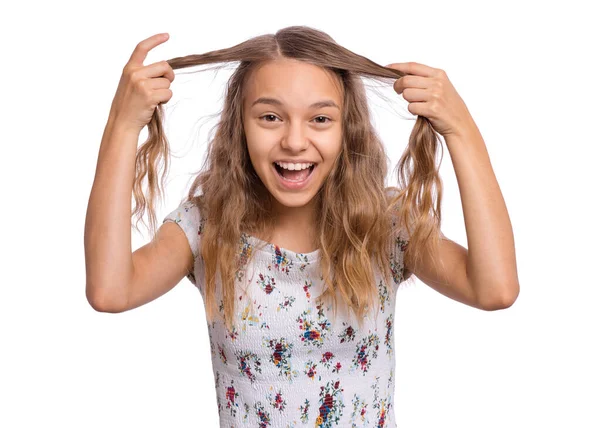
<point>292,80</point>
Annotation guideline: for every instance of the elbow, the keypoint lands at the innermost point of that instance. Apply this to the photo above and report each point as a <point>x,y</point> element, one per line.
<point>503,300</point>
<point>101,302</point>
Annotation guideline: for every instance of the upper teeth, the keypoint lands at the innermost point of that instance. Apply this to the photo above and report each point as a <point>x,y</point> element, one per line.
<point>294,166</point>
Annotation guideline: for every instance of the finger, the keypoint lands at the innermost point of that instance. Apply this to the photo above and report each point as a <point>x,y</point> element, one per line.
<point>170,74</point>
<point>414,95</point>
<point>410,81</point>
<point>413,68</point>
<point>418,108</point>
<point>159,83</point>
<point>158,69</point>
<point>141,50</point>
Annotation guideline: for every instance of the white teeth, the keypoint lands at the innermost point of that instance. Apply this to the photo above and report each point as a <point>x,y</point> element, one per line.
<point>294,166</point>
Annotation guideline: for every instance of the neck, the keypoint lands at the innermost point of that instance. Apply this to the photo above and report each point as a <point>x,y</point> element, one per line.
<point>296,219</point>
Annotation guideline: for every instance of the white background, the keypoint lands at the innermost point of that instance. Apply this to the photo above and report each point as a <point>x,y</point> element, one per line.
<point>528,71</point>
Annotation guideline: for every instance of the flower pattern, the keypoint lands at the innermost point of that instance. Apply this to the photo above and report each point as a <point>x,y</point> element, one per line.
<point>287,361</point>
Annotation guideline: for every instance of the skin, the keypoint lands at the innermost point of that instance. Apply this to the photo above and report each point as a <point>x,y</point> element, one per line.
<point>293,130</point>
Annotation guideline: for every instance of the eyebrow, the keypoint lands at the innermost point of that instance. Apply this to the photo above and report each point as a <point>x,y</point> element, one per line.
<point>275,102</point>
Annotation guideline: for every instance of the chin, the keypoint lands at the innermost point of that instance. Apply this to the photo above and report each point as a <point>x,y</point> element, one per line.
<point>293,201</point>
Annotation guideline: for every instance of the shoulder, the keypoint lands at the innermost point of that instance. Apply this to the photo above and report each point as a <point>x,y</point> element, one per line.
<point>398,229</point>
<point>187,215</point>
<point>399,239</point>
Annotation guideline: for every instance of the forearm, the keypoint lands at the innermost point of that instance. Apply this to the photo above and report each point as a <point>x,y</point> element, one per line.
<point>107,237</point>
<point>491,266</point>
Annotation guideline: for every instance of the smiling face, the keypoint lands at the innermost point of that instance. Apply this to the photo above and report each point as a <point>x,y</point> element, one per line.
<point>292,112</point>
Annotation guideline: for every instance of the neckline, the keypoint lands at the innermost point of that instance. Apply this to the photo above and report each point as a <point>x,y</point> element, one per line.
<point>269,248</point>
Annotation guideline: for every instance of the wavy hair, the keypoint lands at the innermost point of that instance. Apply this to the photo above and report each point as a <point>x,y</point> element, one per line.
<point>355,210</point>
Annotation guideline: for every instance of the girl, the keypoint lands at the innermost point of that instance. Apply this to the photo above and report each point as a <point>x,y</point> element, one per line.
<point>289,215</point>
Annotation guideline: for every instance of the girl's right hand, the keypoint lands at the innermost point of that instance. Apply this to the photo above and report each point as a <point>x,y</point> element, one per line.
<point>142,88</point>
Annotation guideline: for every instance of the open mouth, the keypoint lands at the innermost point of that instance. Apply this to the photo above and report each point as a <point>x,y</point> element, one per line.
<point>294,180</point>
<point>280,170</point>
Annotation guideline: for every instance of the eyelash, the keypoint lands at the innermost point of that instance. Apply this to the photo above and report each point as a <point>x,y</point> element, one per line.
<point>320,123</point>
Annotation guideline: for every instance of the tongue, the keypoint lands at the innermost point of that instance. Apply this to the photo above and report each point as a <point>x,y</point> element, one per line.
<point>295,175</point>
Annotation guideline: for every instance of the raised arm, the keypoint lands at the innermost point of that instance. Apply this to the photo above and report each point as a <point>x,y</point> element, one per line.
<point>110,264</point>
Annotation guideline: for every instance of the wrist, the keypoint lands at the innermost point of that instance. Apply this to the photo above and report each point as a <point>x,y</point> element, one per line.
<point>114,125</point>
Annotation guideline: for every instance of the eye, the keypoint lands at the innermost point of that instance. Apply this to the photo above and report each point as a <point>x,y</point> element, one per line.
<point>268,115</point>
<point>326,119</point>
<point>323,117</point>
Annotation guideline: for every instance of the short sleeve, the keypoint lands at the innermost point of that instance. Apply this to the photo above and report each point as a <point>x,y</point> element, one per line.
<point>187,216</point>
<point>399,244</point>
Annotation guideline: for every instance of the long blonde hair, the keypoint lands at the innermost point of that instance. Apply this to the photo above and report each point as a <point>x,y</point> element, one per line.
<point>355,212</point>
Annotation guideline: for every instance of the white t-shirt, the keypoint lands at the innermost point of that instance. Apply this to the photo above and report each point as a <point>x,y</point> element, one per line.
<point>287,363</point>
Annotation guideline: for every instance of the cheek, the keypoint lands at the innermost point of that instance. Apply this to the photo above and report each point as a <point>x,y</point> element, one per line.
<point>256,143</point>
<point>330,149</point>
<point>258,153</point>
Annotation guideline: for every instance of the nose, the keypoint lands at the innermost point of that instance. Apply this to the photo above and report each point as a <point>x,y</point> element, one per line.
<point>294,139</point>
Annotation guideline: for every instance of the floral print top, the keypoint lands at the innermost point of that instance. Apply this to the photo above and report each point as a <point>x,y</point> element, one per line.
<point>287,362</point>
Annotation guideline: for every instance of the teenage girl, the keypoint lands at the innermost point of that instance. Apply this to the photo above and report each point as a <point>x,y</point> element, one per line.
<point>292,206</point>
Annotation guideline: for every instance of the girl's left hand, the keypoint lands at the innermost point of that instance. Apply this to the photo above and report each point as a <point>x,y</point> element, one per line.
<point>430,94</point>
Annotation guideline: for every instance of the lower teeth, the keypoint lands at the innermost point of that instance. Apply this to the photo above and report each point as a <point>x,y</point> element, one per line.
<point>296,181</point>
